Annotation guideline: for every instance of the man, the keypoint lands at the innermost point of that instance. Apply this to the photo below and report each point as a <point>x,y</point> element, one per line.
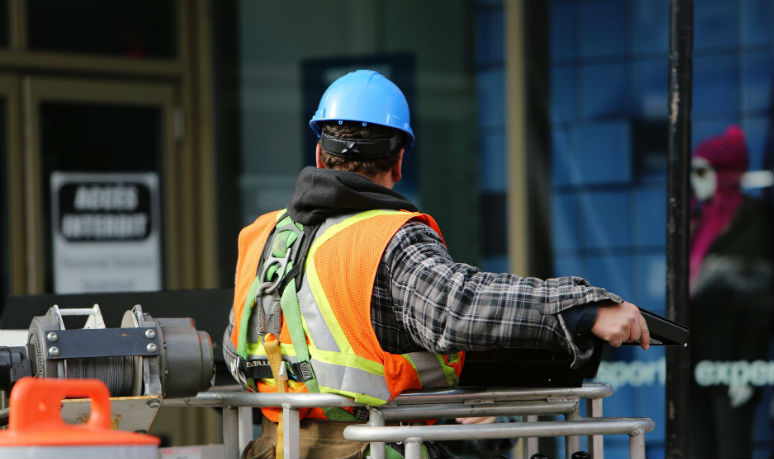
<point>383,306</point>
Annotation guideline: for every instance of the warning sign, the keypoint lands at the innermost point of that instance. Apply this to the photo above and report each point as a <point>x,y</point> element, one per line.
<point>106,232</point>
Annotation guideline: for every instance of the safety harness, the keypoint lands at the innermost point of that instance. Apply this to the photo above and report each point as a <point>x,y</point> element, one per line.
<point>274,294</point>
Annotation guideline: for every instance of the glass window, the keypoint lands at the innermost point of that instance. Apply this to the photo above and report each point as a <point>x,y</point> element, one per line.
<point>124,28</point>
<point>422,46</point>
<point>608,99</point>
<point>608,112</point>
<point>5,24</point>
<point>96,138</point>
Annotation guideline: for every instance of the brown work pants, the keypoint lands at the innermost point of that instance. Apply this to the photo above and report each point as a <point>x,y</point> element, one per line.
<point>319,439</point>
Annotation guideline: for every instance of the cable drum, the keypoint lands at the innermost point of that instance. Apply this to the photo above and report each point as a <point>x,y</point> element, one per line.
<point>116,372</point>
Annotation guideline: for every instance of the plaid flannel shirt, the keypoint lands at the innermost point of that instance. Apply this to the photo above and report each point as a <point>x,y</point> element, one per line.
<point>423,300</point>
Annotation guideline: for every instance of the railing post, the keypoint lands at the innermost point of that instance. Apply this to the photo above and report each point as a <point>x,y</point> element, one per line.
<point>376,419</point>
<point>245,421</point>
<point>531,443</point>
<point>231,432</point>
<point>291,432</point>
<point>637,444</point>
<point>572,444</point>
<point>413,448</point>
<point>596,442</point>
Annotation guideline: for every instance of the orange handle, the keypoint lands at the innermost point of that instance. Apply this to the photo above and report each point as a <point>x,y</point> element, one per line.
<point>37,402</point>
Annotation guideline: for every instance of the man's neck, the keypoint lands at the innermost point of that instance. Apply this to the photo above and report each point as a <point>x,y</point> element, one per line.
<point>384,179</point>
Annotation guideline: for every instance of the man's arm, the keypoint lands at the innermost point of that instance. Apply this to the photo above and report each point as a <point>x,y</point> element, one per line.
<point>447,306</point>
<point>230,353</point>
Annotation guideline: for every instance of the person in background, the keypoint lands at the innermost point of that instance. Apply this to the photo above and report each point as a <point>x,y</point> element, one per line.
<point>732,307</point>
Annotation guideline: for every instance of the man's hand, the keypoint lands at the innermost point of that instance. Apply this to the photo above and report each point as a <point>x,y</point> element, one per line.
<point>621,323</point>
<point>476,420</point>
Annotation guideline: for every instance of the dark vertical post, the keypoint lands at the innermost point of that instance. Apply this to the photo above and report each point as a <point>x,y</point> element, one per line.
<point>678,364</point>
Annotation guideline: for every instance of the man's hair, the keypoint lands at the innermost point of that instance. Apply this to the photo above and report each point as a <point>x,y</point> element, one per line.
<point>356,130</point>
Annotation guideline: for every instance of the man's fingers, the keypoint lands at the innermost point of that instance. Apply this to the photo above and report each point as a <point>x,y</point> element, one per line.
<point>633,330</point>
<point>621,323</point>
<point>644,333</point>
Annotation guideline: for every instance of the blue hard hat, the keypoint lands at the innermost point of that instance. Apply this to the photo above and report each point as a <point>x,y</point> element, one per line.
<point>368,97</point>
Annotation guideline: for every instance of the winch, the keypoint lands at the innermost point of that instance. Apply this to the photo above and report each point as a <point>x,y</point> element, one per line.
<point>166,357</point>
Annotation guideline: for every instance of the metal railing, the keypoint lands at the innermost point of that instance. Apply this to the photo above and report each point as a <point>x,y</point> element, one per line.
<point>458,402</point>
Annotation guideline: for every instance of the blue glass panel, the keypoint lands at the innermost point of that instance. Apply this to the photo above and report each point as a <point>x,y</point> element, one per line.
<point>562,30</point>
<point>602,28</point>
<point>567,266</point>
<point>603,90</point>
<point>606,219</point>
<point>703,129</point>
<point>566,221</point>
<point>650,87</point>
<point>562,93</point>
<point>760,142</point>
<point>647,375</point>
<point>716,24</point>
<point>604,152</point>
<point>564,162</point>
<point>611,271</point>
<point>492,164</point>
<point>757,22</point>
<point>615,445</point>
<point>489,36</point>
<point>495,264</point>
<point>655,448</point>
<point>650,26</point>
<point>715,83</point>
<point>762,423</point>
<point>490,86</point>
<point>621,403</point>
<point>493,237</point>
<point>650,217</point>
<point>757,77</point>
<point>651,282</point>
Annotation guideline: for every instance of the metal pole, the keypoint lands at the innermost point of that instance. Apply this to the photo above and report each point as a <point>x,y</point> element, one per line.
<point>413,448</point>
<point>532,442</point>
<point>292,432</point>
<point>231,432</point>
<point>637,445</point>
<point>376,419</point>
<point>572,443</point>
<point>678,364</point>
<point>245,414</point>
<point>596,442</point>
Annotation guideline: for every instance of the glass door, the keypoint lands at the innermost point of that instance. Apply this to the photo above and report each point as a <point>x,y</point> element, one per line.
<point>101,190</point>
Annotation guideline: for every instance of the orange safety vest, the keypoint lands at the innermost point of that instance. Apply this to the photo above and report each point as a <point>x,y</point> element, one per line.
<point>335,300</point>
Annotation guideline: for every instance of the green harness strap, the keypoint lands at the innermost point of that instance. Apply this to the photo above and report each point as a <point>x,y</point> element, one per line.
<point>249,304</point>
<point>291,308</point>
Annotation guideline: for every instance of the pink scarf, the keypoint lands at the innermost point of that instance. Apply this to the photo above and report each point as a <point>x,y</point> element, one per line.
<point>727,154</point>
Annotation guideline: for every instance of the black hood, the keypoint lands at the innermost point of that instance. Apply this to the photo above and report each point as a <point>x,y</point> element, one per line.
<point>324,193</point>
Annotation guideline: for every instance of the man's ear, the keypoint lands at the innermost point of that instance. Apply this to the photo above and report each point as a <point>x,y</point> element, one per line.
<point>317,158</point>
<point>397,168</point>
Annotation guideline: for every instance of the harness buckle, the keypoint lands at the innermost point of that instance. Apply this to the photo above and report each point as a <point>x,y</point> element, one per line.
<point>305,370</point>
